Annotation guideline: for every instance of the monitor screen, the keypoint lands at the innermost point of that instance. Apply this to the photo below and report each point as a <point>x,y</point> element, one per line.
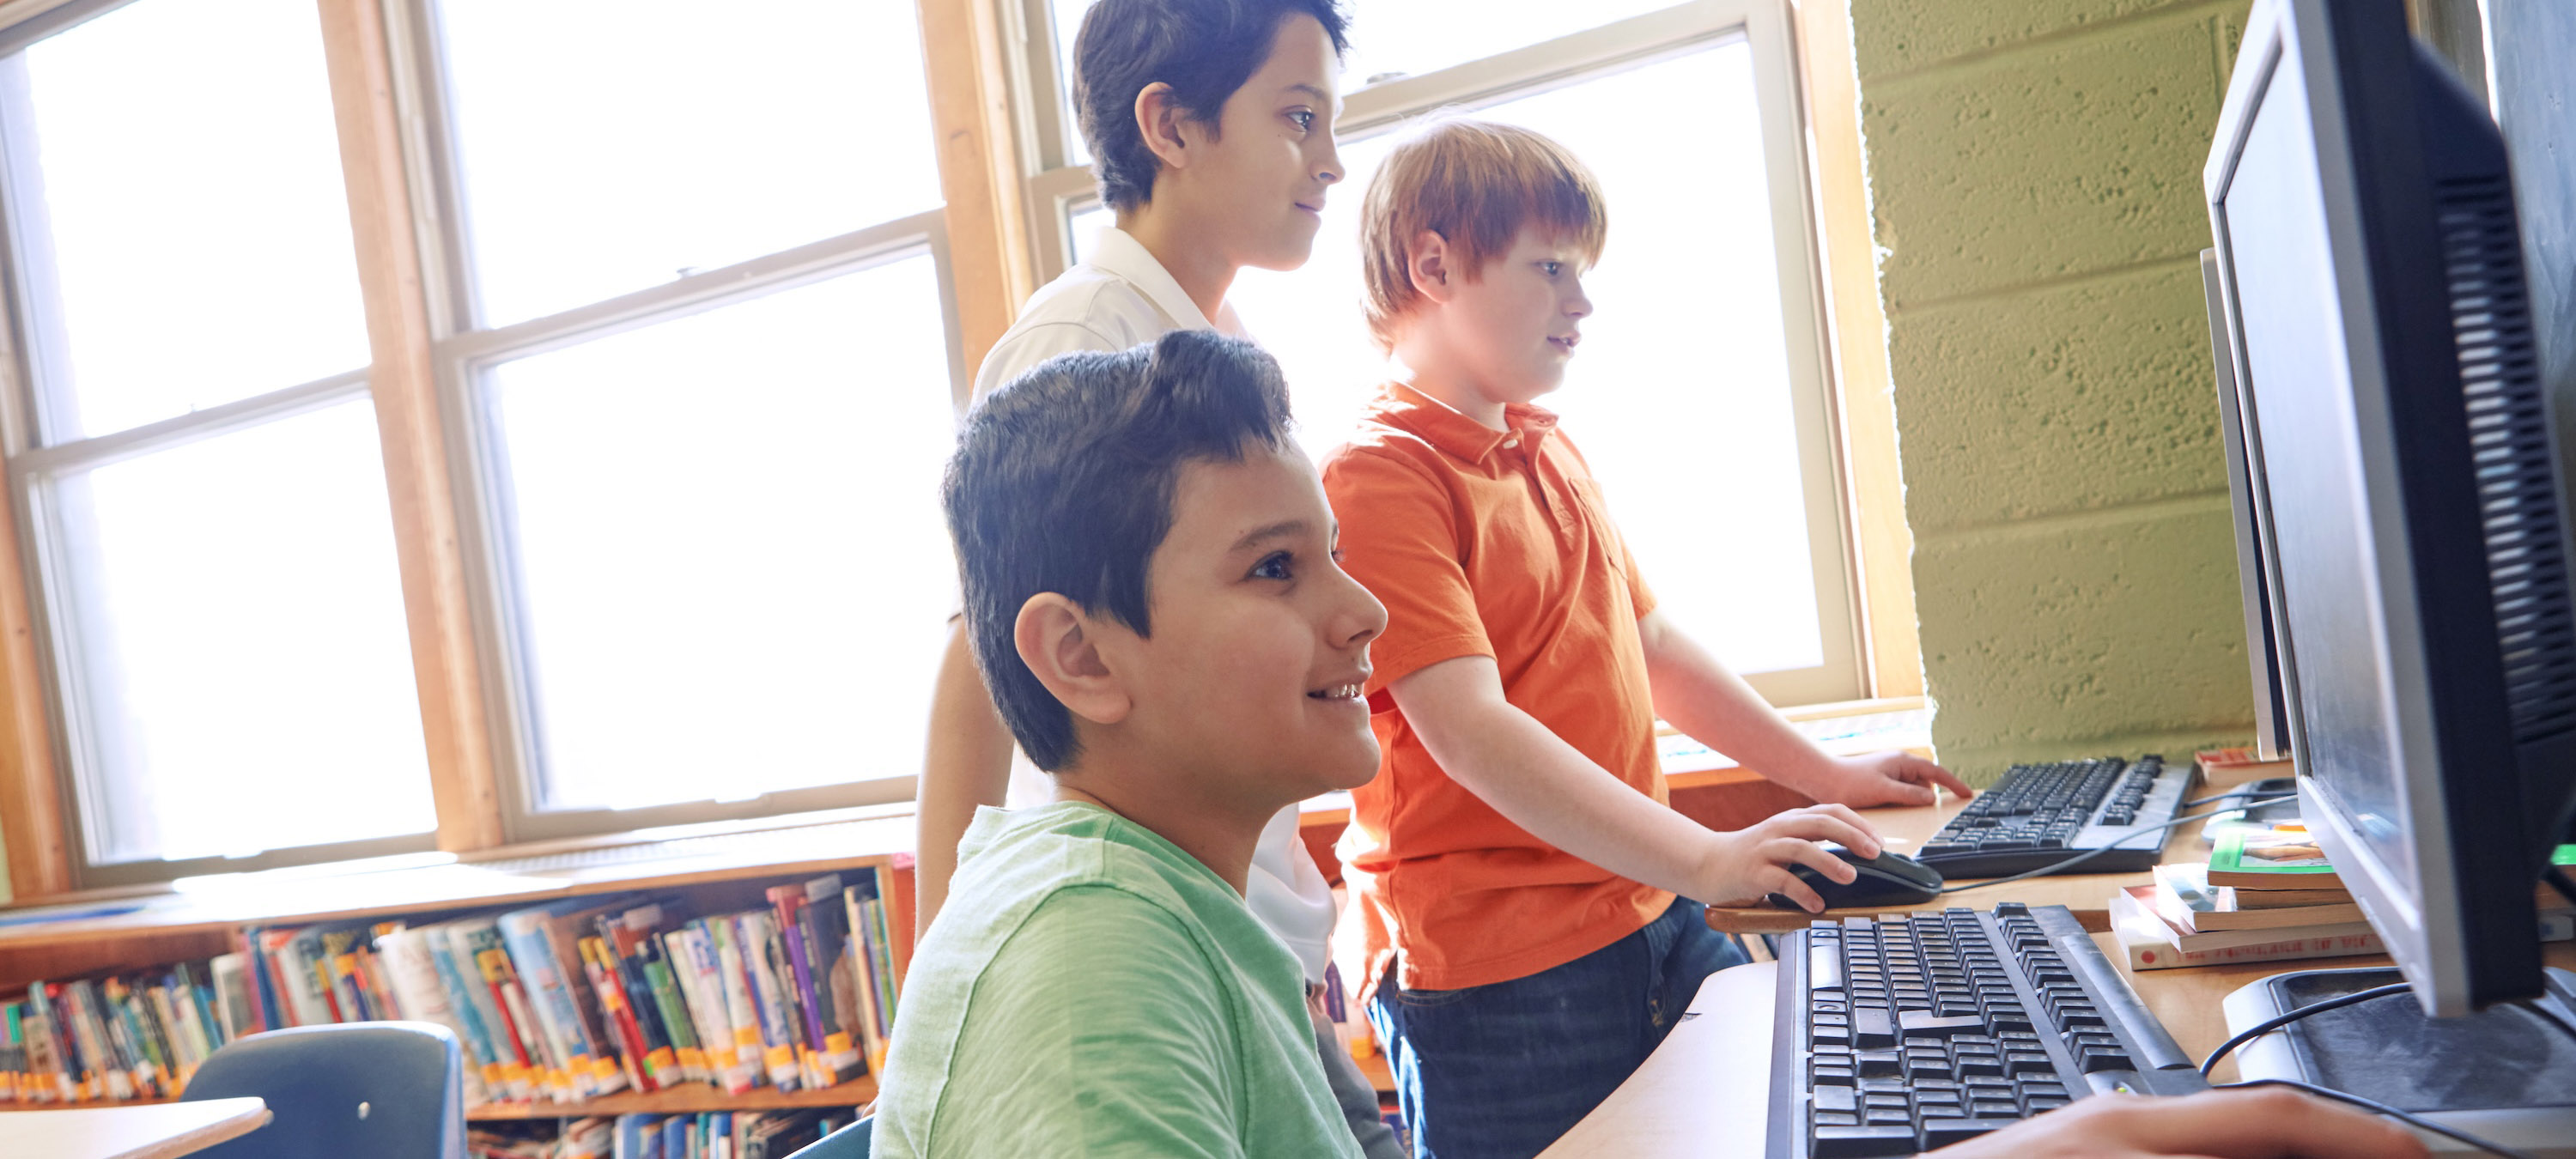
<point>2309,427</point>
<point>2401,453</point>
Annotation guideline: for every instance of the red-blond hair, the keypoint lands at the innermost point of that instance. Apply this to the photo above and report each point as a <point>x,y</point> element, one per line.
<point>1477,184</point>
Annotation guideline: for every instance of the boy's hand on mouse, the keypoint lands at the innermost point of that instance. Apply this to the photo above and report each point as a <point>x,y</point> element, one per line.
<point>1888,778</point>
<point>2264,1123</point>
<point>1744,865</point>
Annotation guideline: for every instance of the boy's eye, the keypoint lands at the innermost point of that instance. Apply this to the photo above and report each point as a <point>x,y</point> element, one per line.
<point>1551,269</point>
<point>1273,567</point>
<point>1304,118</point>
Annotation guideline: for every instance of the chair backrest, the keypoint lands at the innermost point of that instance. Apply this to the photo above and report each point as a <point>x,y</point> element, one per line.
<point>850,1142</point>
<point>387,1090</point>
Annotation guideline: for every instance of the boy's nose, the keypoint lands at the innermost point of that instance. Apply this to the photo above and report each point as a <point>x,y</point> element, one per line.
<point>1364,617</point>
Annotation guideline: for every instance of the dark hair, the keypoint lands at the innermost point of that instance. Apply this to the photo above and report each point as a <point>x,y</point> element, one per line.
<point>1063,480</point>
<point>1204,49</point>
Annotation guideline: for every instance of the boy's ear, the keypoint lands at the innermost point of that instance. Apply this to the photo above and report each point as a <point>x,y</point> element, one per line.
<point>1159,118</point>
<point>1059,642</point>
<point>1427,261</point>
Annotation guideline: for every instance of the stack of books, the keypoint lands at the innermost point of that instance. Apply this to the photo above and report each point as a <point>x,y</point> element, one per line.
<point>2265,895</point>
<point>554,1003</point>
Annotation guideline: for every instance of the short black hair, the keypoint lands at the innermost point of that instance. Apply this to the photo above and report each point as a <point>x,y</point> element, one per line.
<point>1204,49</point>
<point>1063,482</point>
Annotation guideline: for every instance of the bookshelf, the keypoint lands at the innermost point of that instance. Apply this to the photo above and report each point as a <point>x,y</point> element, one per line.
<point>711,869</point>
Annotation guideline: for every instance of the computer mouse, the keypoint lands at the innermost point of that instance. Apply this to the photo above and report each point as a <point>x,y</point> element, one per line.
<point>1889,879</point>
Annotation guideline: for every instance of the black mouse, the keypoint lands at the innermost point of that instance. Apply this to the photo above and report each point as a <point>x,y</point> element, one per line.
<point>1889,879</point>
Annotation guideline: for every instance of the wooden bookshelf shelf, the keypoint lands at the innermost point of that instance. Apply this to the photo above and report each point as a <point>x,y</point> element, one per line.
<point>684,1099</point>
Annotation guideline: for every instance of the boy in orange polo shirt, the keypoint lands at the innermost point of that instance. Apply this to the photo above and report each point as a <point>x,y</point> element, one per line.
<point>1515,860</point>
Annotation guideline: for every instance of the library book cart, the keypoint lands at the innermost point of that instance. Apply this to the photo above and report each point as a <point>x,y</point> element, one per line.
<point>114,963</point>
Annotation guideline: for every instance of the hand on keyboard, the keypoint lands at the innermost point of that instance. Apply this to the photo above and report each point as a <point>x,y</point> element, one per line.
<point>1888,778</point>
<point>2252,1124</point>
<point>1744,865</point>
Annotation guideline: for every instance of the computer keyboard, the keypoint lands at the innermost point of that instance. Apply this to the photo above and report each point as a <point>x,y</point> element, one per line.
<point>1908,1032</point>
<point>2039,815</point>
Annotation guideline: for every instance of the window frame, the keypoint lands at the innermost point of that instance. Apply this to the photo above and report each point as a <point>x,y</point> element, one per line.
<point>1056,191</point>
<point>462,353</point>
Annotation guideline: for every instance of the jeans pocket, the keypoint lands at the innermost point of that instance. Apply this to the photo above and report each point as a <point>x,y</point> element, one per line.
<point>1426,999</point>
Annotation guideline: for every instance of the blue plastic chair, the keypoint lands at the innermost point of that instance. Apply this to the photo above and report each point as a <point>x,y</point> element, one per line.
<point>850,1142</point>
<point>386,1090</point>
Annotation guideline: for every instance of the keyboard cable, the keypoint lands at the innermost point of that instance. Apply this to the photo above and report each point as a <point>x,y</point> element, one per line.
<point>2269,1025</point>
<point>2106,847</point>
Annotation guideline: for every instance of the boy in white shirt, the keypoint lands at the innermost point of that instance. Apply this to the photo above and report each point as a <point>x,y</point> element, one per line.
<point>1212,124</point>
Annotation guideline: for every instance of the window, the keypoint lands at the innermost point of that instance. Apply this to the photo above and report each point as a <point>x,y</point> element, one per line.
<point>1700,396</point>
<point>197,455</point>
<point>695,325</point>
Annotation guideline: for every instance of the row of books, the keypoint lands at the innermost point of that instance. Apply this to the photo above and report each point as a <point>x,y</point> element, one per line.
<point>157,1025</point>
<point>2266,894</point>
<point>710,1135</point>
<point>552,1003</point>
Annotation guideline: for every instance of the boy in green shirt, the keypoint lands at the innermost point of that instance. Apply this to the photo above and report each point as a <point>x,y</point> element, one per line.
<point>1154,598</point>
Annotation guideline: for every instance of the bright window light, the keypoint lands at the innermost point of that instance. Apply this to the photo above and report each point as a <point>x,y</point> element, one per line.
<point>605,146</point>
<point>245,673</point>
<point>175,178</point>
<point>731,568</point>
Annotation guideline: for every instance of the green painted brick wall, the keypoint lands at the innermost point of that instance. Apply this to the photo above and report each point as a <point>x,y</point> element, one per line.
<point>2034,171</point>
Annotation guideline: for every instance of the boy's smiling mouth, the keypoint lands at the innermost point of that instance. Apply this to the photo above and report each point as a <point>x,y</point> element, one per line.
<point>1338,691</point>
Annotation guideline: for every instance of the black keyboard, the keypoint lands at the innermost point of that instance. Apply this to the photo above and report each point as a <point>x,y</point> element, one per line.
<point>1913,1031</point>
<point>2039,815</point>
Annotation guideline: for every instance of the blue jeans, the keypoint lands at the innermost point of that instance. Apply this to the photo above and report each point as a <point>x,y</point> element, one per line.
<point>1500,1071</point>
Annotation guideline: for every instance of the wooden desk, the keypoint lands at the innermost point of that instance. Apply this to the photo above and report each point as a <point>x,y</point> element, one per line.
<point>1905,830</point>
<point>1707,1089</point>
<point>151,1131</point>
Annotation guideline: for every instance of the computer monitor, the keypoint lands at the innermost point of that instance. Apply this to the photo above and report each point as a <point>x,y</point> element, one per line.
<point>2245,501</point>
<point>2370,270</point>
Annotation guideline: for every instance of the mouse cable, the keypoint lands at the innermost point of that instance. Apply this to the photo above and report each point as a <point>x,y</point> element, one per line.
<point>2232,794</point>
<point>2407,1117</point>
<point>2090,854</point>
<point>2540,1006</point>
<point>2269,1025</point>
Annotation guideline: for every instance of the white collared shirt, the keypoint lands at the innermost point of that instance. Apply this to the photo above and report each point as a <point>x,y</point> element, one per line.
<point>1116,298</point>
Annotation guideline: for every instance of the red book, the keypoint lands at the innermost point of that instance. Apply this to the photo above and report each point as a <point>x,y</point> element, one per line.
<point>614,1003</point>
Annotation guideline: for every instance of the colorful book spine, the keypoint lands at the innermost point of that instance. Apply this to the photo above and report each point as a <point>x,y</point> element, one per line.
<point>758,937</point>
<point>549,996</point>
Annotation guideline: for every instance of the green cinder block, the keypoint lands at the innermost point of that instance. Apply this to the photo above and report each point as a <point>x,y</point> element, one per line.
<point>1897,36</point>
<point>2057,161</point>
<point>2077,396</point>
<point>2118,624</point>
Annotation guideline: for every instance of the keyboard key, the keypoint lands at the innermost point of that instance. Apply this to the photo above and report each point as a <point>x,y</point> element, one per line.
<point>1837,1118</point>
<point>1830,1076</point>
<point>1880,1063</point>
<point>2102,1060</point>
<point>1884,1117</point>
<point>1922,1022</point>
<point>1863,1142</point>
<point>2023,1062</point>
<point>1824,968</point>
<point>1994,1110</point>
<point>1836,1099</point>
<point>1870,1028</point>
